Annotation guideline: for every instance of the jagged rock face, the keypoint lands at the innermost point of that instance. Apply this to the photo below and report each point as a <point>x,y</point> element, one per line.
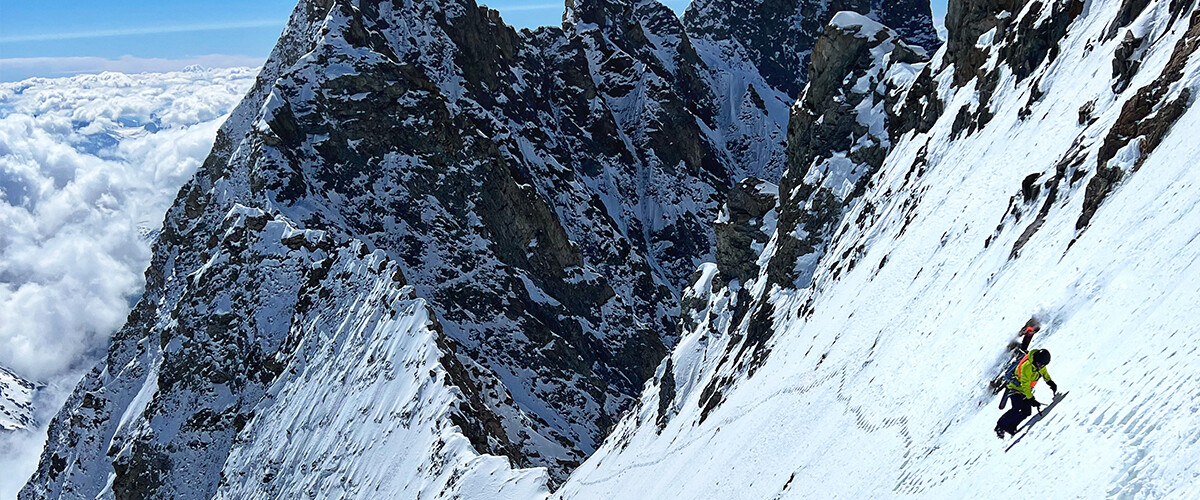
<point>1144,121</point>
<point>838,136</point>
<point>779,34</point>
<point>545,192</point>
<point>837,140</point>
<point>1020,34</point>
<point>16,402</point>
<point>745,227</point>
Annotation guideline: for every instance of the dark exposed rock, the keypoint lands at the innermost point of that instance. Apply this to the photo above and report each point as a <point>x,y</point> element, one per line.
<point>1125,64</point>
<point>140,473</point>
<point>1021,33</point>
<point>1087,113</point>
<point>1146,118</point>
<point>966,22</point>
<point>828,143</point>
<point>666,394</point>
<point>969,120</point>
<point>780,34</point>
<point>741,228</point>
<point>1126,13</point>
<point>1035,38</point>
<point>1024,45</point>
<point>919,110</point>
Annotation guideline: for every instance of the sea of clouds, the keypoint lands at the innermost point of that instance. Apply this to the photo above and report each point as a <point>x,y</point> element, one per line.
<point>88,167</point>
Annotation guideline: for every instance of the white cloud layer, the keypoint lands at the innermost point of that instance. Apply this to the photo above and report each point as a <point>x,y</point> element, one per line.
<point>142,30</point>
<point>20,68</point>
<point>88,167</point>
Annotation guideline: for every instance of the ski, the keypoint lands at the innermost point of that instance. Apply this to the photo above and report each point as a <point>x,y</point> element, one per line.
<point>1035,418</point>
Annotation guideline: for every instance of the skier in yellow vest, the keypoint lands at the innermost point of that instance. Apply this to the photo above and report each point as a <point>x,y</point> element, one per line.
<point>1020,390</point>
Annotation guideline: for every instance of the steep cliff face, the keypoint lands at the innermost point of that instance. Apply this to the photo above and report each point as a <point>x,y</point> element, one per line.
<point>871,379</point>
<point>838,136</point>
<point>838,139</point>
<point>779,35</point>
<point>544,194</point>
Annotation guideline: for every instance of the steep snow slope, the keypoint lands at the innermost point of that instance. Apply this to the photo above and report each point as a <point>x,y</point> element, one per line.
<point>302,415</point>
<point>874,385</point>
<point>381,424</point>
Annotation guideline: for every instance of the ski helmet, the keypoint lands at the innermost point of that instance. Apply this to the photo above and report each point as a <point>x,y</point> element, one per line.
<point>1041,357</point>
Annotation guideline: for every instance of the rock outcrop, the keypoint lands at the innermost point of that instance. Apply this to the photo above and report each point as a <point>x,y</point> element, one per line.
<point>779,36</point>
<point>1144,121</point>
<point>838,136</point>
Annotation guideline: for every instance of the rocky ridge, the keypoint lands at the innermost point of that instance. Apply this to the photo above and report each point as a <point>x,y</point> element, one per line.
<point>545,192</point>
<point>838,139</point>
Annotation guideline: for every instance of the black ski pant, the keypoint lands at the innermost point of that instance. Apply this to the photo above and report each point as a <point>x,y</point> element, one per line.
<point>1022,407</point>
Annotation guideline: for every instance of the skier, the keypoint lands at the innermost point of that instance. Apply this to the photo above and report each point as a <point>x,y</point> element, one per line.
<point>1020,391</point>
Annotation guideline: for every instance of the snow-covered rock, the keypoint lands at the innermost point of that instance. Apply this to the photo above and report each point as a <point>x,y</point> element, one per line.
<point>16,402</point>
<point>778,37</point>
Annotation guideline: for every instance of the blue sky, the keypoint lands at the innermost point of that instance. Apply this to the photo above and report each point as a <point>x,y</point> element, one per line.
<point>60,37</point>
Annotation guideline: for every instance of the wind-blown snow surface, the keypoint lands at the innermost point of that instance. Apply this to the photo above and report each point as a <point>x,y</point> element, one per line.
<point>88,166</point>
<point>881,391</point>
<point>332,429</point>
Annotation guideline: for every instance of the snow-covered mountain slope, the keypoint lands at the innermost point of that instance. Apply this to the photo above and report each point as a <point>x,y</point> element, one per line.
<point>1041,191</point>
<point>545,192</point>
<point>274,407</point>
<point>22,417</point>
<point>394,411</point>
<point>16,402</point>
